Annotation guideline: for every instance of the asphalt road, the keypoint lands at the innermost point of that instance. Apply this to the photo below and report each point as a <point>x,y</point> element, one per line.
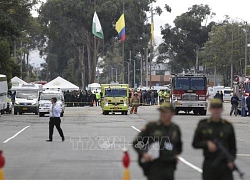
<point>85,155</point>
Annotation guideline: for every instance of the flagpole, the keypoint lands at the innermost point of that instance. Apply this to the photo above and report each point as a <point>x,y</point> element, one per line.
<point>123,51</point>
<point>95,53</point>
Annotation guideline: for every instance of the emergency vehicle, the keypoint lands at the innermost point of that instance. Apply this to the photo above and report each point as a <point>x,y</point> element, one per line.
<point>45,101</point>
<point>3,92</point>
<point>189,93</point>
<point>26,98</point>
<point>115,98</point>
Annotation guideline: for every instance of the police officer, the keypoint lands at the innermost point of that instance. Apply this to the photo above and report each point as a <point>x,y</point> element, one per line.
<point>234,105</point>
<point>55,120</point>
<point>208,130</point>
<point>168,135</point>
<point>135,103</point>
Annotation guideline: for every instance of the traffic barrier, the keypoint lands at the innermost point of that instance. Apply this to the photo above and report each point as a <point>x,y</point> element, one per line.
<point>2,162</point>
<point>126,162</point>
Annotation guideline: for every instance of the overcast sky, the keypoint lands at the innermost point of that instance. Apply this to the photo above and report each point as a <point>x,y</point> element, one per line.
<point>234,8</point>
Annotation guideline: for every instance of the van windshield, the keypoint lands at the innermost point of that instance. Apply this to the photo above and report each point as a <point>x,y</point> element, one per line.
<point>112,92</point>
<point>49,96</point>
<point>27,94</point>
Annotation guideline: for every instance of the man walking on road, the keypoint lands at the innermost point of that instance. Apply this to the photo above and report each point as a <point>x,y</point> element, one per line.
<point>209,130</point>
<point>55,120</point>
<point>167,136</point>
<point>234,105</point>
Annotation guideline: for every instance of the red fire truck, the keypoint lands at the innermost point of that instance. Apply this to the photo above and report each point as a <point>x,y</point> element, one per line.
<point>189,93</point>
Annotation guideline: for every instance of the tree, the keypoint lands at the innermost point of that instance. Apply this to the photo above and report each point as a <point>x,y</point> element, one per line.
<point>226,45</point>
<point>67,31</point>
<point>182,41</point>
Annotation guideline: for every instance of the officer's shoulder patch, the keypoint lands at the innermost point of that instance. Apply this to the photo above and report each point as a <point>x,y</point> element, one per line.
<point>203,121</point>
<point>151,124</point>
<point>227,121</point>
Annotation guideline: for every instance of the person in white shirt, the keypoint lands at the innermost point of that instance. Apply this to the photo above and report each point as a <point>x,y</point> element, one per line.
<point>55,120</point>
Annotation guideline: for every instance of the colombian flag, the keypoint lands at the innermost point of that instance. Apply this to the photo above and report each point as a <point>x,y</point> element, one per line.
<point>120,28</point>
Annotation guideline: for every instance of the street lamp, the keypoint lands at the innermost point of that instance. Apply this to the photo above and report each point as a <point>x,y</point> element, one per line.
<point>111,67</point>
<point>246,45</point>
<point>115,74</point>
<point>128,71</point>
<point>134,71</point>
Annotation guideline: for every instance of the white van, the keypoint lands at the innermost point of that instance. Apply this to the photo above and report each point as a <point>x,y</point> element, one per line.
<point>45,103</point>
<point>3,93</point>
<point>26,98</point>
<point>213,90</point>
<point>228,93</point>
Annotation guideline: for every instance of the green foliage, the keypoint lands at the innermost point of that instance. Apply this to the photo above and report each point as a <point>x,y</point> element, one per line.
<point>67,24</point>
<point>226,44</point>
<point>7,64</point>
<point>181,42</point>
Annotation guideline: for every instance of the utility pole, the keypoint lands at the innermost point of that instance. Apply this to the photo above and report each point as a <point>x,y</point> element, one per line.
<point>231,82</point>
<point>215,72</point>
<point>141,69</point>
<point>146,62</point>
<point>130,58</point>
<point>151,45</point>
<point>197,61</point>
<point>246,48</point>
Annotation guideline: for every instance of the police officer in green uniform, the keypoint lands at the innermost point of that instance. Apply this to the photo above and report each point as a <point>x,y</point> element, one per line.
<point>168,135</point>
<point>208,130</point>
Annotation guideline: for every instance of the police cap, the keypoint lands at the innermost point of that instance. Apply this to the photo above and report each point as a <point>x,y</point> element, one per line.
<point>166,106</point>
<point>216,103</point>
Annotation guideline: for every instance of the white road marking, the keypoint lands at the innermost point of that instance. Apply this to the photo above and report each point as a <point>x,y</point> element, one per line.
<point>243,155</point>
<point>180,158</point>
<point>190,165</point>
<point>7,140</point>
<point>136,129</point>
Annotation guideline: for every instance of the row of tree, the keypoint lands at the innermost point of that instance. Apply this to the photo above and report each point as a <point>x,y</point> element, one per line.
<point>19,34</point>
<point>220,47</point>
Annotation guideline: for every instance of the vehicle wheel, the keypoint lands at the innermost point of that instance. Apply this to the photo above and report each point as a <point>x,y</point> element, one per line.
<point>41,114</point>
<point>20,113</point>
<point>62,114</point>
<point>126,113</point>
<point>195,112</point>
<point>15,113</point>
<point>36,113</point>
<point>203,112</point>
<point>10,111</point>
<point>105,113</point>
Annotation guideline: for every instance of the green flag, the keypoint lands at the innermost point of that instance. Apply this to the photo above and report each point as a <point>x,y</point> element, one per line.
<point>96,27</point>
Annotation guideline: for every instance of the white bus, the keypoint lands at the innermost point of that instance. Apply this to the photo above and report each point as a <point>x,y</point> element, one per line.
<point>3,92</point>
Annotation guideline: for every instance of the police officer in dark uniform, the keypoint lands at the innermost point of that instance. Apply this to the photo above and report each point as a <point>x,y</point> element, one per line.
<point>209,130</point>
<point>168,135</point>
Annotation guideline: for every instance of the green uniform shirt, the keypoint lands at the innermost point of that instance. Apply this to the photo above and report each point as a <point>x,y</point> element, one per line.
<point>207,130</point>
<point>169,138</point>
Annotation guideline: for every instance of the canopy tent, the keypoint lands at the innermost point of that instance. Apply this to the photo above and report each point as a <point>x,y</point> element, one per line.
<point>61,83</point>
<point>16,82</point>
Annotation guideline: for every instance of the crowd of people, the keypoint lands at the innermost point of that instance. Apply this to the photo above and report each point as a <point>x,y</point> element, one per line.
<point>82,98</point>
<point>87,98</point>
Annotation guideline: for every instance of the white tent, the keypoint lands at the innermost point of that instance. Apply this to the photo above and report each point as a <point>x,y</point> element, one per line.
<point>61,83</point>
<point>16,82</point>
